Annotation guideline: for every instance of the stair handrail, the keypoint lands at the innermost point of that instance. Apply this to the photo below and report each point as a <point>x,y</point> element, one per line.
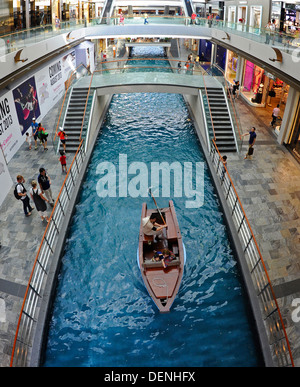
<point>212,122</point>
<point>85,106</point>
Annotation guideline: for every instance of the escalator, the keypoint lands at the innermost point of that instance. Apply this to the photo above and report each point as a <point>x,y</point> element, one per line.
<point>188,7</point>
<point>106,12</point>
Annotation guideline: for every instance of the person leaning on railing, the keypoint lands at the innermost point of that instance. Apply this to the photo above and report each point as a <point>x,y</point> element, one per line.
<point>268,32</point>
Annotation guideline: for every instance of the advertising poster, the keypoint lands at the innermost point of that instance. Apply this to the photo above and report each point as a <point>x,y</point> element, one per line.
<point>26,103</point>
<point>10,131</point>
<point>51,80</point>
<point>34,97</point>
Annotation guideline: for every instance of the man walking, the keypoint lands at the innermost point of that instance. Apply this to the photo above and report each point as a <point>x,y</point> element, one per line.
<point>23,195</point>
<point>45,183</point>
<point>252,140</point>
<point>275,115</point>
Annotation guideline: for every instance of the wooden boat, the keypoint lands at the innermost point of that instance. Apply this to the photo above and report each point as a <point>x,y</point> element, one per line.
<point>162,283</point>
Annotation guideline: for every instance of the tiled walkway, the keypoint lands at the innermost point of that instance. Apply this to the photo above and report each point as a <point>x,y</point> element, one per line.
<point>20,235</point>
<point>269,188</point>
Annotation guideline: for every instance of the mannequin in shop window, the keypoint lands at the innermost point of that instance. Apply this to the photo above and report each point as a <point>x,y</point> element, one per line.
<point>259,94</point>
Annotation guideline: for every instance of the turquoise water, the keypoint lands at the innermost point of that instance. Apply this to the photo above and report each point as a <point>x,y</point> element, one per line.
<point>103,315</point>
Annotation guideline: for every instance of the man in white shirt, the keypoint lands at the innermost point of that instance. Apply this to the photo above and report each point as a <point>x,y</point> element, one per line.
<point>150,227</point>
<point>23,195</point>
<point>275,114</point>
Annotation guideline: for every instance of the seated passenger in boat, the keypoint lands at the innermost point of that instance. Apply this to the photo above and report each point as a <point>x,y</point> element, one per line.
<point>150,227</point>
<point>158,256</point>
<point>165,257</point>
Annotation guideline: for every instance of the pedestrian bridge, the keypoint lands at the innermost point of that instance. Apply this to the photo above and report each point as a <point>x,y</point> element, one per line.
<point>118,81</point>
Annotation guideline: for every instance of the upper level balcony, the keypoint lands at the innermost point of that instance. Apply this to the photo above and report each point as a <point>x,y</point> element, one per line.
<point>278,51</point>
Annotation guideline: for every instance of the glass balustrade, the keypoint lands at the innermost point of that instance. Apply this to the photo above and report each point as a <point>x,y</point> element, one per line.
<point>14,41</point>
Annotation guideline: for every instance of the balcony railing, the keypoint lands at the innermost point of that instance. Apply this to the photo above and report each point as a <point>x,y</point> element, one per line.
<point>287,42</point>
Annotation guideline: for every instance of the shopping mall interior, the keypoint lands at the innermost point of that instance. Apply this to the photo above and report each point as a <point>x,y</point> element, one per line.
<point>73,286</point>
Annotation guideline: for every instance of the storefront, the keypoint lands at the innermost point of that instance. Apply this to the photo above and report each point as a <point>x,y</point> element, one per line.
<point>286,15</point>
<point>264,90</point>
<point>205,50</point>
<point>294,138</point>
<point>231,16</point>
<point>231,66</point>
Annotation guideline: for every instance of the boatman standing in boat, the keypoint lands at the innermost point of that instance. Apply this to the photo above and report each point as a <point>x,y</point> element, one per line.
<point>150,227</point>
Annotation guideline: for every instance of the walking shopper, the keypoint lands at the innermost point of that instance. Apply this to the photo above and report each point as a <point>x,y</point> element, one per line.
<point>20,193</point>
<point>45,185</point>
<point>63,161</point>
<point>28,140</point>
<point>275,115</point>
<point>252,140</point>
<point>62,135</point>
<point>39,200</point>
<point>34,126</point>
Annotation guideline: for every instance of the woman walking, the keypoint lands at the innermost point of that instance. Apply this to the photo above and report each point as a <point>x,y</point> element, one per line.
<point>39,200</point>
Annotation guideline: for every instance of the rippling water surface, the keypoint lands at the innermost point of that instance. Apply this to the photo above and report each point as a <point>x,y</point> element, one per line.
<point>103,315</point>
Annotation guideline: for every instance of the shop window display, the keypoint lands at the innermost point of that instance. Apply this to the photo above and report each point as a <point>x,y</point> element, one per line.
<point>253,78</point>
<point>255,19</point>
<point>231,66</point>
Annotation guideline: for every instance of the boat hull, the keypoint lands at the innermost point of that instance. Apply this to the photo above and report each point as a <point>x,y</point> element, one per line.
<point>162,283</point>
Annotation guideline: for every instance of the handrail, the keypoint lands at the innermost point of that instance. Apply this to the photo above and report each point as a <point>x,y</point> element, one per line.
<point>260,260</point>
<point>39,269</point>
<point>85,106</point>
<point>212,122</point>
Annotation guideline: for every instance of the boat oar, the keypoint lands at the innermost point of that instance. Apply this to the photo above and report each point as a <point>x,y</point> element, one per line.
<point>149,189</point>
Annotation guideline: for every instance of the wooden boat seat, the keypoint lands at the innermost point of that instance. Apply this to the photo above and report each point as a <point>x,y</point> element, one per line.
<point>171,230</point>
<point>148,238</point>
<point>152,265</point>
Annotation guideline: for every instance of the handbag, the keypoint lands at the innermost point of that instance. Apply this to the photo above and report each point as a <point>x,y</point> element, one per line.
<point>250,151</point>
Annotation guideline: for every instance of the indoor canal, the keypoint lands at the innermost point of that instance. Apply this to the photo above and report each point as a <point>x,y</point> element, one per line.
<point>102,314</point>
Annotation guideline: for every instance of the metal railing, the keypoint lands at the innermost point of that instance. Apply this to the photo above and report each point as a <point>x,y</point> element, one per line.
<point>278,339</point>
<point>34,292</point>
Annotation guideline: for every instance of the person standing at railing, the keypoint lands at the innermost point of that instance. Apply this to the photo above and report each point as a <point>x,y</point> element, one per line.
<point>268,32</point>
<point>193,18</point>
<point>57,22</point>
<point>146,19</point>
<point>273,30</point>
<point>122,19</point>
<point>224,161</point>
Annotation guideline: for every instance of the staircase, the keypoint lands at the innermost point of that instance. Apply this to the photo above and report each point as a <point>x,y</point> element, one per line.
<point>223,129</point>
<point>73,119</point>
